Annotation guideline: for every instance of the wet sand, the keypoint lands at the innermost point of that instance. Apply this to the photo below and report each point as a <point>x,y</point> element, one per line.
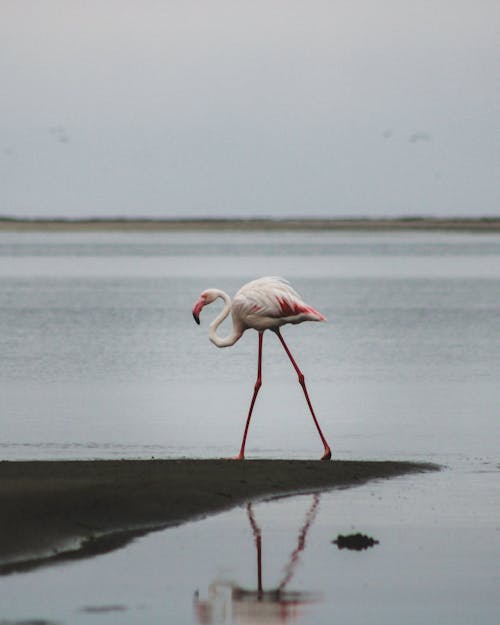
<point>58,509</point>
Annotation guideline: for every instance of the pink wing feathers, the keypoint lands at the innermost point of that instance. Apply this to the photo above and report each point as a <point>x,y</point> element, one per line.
<point>271,302</point>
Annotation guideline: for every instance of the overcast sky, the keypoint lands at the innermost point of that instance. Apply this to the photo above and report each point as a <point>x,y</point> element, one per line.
<point>249,108</point>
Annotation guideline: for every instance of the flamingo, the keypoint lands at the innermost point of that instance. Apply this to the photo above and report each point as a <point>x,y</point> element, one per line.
<point>263,304</point>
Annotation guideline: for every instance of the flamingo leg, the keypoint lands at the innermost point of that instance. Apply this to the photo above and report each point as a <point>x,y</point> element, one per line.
<point>327,453</point>
<point>258,384</point>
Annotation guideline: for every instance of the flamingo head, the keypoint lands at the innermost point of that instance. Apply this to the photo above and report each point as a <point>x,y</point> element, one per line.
<point>207,297</point>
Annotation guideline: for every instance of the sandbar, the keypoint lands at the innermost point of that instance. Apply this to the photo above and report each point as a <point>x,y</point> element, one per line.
<point>58,509</point>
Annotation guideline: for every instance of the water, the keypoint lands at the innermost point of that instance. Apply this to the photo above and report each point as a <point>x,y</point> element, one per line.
<point>101,359</point>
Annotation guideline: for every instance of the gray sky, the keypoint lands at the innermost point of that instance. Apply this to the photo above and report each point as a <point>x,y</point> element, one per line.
<point>249,108</point>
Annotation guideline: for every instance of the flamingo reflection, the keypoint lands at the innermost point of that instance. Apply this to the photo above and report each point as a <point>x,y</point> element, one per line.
<point>228,603</point>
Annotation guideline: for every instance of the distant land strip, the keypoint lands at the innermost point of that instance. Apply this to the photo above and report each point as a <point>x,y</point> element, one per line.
<point>481,224</point>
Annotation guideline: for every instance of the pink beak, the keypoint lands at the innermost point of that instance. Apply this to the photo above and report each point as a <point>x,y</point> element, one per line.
<point>197,309</point>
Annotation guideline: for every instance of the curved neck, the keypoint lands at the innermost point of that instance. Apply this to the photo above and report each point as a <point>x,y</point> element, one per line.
<point>235,333</point>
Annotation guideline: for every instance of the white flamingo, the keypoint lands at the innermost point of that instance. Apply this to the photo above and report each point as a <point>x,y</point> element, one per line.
<point>263,304</point>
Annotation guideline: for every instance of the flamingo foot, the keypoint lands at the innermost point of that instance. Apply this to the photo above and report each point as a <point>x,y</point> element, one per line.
<point>240,456</point>
<point>327,455</point>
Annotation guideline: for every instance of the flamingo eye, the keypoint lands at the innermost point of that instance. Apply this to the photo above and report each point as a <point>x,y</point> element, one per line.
<point>207,297</point>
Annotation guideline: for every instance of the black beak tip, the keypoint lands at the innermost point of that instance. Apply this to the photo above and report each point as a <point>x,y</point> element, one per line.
<point>196,318</point>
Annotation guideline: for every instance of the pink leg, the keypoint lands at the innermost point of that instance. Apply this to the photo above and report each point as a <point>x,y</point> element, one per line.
<point>327,454</point>
<point>258,384</point>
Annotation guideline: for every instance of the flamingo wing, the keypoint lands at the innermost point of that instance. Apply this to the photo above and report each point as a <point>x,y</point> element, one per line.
<point>270,302</point>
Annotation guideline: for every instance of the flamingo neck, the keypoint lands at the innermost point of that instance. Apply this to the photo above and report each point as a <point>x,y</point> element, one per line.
<point>235,334</point>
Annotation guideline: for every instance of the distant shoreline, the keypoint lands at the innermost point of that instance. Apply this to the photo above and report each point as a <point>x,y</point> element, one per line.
<point>483,224</point>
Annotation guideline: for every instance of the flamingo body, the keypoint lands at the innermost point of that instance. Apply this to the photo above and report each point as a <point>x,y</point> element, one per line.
<point>263,304</point>
<point>270,302</point>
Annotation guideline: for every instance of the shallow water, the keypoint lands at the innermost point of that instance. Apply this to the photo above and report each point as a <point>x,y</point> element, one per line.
<point>436,562</point>
<point>101,359</point>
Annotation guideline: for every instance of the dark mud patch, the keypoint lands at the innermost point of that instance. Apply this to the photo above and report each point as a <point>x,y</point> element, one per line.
<point>355,542</point>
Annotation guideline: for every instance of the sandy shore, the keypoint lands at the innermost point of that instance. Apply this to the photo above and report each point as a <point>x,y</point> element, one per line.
<point>485,224</point>
<point>55,509</point>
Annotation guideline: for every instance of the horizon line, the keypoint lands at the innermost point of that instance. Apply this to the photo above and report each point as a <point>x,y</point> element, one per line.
<point>176,224</point>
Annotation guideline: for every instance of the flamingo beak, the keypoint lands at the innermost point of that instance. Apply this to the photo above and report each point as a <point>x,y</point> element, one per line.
<point>197,309</point>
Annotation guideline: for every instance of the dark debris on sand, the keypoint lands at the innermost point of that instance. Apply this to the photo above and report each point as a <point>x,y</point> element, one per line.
<point>354,542</point>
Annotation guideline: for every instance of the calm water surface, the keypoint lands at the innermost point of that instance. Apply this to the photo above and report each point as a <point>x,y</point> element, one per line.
<point>101,359</point>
